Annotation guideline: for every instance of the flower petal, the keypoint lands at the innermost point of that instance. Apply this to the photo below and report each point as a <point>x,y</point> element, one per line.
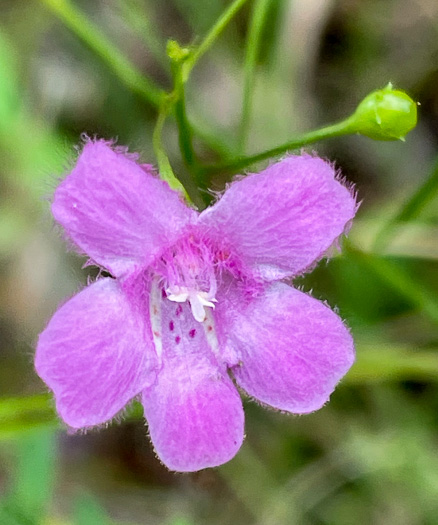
<point>95,355</point>
<point>117,211</point>
<point>194,412</point>
<point>284,218</point>
<point>293,349</point>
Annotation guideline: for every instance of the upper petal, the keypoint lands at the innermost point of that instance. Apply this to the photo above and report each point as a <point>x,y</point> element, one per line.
<point>117,211</point>
<point>194,412</point>
<point>284,218</point>
<point>96,354</point>
<point>293,349</point>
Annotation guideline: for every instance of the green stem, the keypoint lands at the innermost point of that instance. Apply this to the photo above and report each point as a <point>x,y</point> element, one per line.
<point>119,64</point>
<point>20,415</point>
<point>185,133</point>
<point>392,363</point>
<point>400,281</point>
<point>412,208</point>
<point>165,169</point>
<point>334,130</point>
<point>376,363</point>
<point>16,407</point>
<point>188,189</point>
<point>211,36</point>
<point>93,37</point>
<point>257,24</point>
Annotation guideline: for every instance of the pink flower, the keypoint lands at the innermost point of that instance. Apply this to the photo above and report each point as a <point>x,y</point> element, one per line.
<point>194,297</point>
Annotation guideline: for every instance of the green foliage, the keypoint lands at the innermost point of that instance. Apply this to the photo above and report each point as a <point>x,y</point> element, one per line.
<point>21,415</point>
<point>412,208</point>
<point>87,511</point>
<point>30,492</point>
<point>243,78</point>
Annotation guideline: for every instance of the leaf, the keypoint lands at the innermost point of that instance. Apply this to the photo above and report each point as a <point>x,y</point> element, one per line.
<point>9,92</point>
<point>88,511</point>
<point>412,208</point>
<point>35,472</point>
<point>31,489</point>
<point>22,415</point>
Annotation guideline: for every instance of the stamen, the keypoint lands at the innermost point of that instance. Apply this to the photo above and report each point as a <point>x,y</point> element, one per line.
<point>210,332</point>
<point>155,316</point>
<point>197,306</point>
<point>198,300</point>
<point>179,296</point>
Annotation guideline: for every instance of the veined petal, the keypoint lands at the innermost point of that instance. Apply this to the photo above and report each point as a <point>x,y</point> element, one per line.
<point>96,354</point>
<point>117,211</point>
<point>293,349</point>
<point>194,412</point>
<point>283,219</point>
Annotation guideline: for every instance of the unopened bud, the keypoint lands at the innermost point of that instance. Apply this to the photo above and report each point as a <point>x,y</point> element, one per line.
<point>175,52</point>
<point>385,114</point>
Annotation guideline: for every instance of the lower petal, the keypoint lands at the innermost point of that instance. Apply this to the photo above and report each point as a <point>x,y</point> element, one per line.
<point>293,349</point>
<point>194,412</point>
<point>95,355</point>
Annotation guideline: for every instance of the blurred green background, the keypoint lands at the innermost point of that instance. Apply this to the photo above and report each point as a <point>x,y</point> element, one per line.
<point>370,455</point>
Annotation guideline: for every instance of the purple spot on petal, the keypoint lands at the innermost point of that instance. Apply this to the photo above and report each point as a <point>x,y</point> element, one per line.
<point>171,326</point>
<point>178,311</point>
<point>163,293</point>
<point>192,333</point>
<point>177,339</point>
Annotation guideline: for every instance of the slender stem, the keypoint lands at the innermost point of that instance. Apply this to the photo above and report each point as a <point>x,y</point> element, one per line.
<point>19,415</point>
<point>232,166</point>
<point>377,362</point>
<point>412,208</point>
<point>185,133</point>
<point>93,37</point>
<point>166,172</point>
<point>212,35</point>
<point>16,407</point>
<point>399,280</point>
<point>389,362</point>
<point>117,62</point>
<point>188,189</point>
<point>257,24</point>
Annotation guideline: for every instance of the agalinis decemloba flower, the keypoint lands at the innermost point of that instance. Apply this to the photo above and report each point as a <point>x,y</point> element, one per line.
<point>194,299</point>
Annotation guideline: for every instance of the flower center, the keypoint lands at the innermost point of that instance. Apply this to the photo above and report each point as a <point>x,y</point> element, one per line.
<point>187,274</point>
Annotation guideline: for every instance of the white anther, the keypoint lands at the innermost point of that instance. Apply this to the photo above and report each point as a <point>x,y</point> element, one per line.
<point>198,301</point>
<point>178,297</point>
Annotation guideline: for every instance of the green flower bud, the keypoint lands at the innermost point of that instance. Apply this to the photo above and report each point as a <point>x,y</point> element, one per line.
<point>175,52</point>
<point>385,114</point>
